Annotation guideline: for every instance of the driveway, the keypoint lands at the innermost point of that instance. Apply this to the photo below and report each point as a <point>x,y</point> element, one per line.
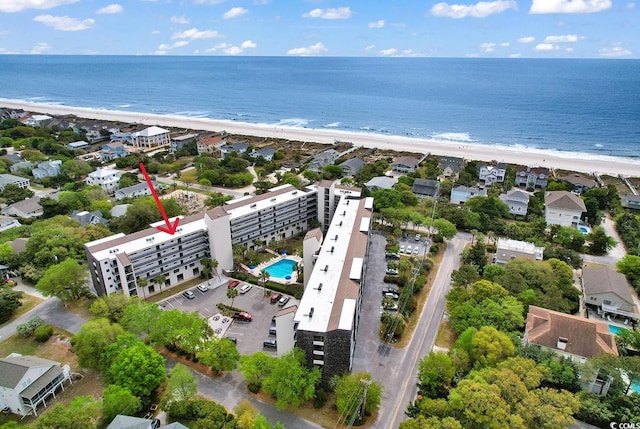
<point>615,254</point>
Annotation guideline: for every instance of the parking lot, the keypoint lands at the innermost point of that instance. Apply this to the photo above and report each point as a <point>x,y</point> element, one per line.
<point>249,335</point>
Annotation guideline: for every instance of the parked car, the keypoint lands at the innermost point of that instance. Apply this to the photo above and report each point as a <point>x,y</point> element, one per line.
<point>405,234</point>
<point>390,307</point>
<point>402,249</point>
<point>391,290</point>
<point>416,250</point>
<point>270,343</point>
<point>418,237</point>
<point>275,297</point>
<point>203,287</point>
<point>188,294</point>
<point>409,250</point>
<point>391,271</point>
<point>272,331</point>
<point>233,283</point>
<point>234,340</point>
<point>283,301</point>
<point>393,256</point>
<point>243,316</point>
<point>393,296</point>
<point>244,289</point>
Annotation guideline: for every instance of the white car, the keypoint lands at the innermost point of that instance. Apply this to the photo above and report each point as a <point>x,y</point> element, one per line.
<point>244,289</point>
<point>203,287</point>
<point>416,250</point>
<point>409,250</point>
<point>402,249</point>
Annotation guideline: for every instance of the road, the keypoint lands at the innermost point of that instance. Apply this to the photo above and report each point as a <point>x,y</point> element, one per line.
<point>397,369</point>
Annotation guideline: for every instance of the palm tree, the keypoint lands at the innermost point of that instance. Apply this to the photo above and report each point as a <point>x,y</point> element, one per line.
<point>264,276</point>
<point>232,294</point>
<point>206,266</point>
<point>214,265</point>
<point>160,280</point>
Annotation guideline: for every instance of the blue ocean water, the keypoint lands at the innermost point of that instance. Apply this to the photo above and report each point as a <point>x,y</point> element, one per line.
<point>576,105</point>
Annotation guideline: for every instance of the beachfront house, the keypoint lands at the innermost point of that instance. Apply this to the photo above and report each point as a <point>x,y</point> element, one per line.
<point>608,292</point>
<point>381,182</point>
<point>178,142</point>
<point>517,200</point>
<point>238,148</point>
<point>630,201</point>
<point>34,120</point>
<point>266,153</point>
<point>10,179</point>
<point>462,194</point>
<point>47,169</point>
<point>532,178</point>
<point>150,138</point>
<point>210,145</point>
<point>490,174</point>
<point>581,184</point>
<point>405,164</point>
<point>352,166</point>
<point>107,178</point>
<point>563,208</point>
<point>113,150</point>
<point>424,188</point>
<point>27,209</point>
<point>322,159</point>
<point>79,145</point>
<point>450,166</point>
<point>26,382</point>
<point>507,250</point>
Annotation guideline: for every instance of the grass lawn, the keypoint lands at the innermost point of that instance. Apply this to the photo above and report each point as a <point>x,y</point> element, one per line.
<point>190,176</point>
<point>167,292</point>
<point>80,308</point>
<point>446,337</point>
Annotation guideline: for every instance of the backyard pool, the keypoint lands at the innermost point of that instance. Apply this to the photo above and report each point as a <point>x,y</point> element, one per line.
<point>615,330</point>
<point>584,229</point>
<point>281,269</point>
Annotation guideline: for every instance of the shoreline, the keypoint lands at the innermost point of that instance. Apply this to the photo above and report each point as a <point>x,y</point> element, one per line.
<point>571,161</point>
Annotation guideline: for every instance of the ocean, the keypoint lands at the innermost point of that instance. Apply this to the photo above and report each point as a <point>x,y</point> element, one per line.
<point>576,105</point>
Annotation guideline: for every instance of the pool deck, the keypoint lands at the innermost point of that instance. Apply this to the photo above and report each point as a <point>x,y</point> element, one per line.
<point>294,275</point>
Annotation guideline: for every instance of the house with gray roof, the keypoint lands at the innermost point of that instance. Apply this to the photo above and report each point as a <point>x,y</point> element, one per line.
<point>47,169</point>
<point>608,291</point>
<point>323,159</point>
<point>450,166</point>
<point>517,200</point>
<point>265,152</point>
<point>424,188</point>
<point>138,190</point>
<point>7,222</point>
<point>129,422</point>
<point>563,208</point>
<point>352,166</point>
<point>405,164</point>
<point>29,208</point>
<point>491,174</point>
<point>89,218</point>
<point>462,194</point>
<point>10,179</point>
<point>507,250</point>
<point>630,201</point>
<point>532,177</point>
<point>26,382</point>
<point>238,148</point>
<point>22,165</point>
<point>381,182</point>
<point>581,183</point>
<point>80,144</point>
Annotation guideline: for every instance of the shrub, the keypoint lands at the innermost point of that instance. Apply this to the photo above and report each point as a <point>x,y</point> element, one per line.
<point>320,398</point>
<point>238,275</point>
<point>252,280</point>
<point>253,387</point>
<point>26,329</point>
<point>42,333</point>
<point>434,249</point>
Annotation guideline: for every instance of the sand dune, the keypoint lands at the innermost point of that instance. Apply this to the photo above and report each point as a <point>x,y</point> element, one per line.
<point>581,162</point>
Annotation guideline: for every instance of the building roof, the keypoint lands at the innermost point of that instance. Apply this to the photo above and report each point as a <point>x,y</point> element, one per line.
<point>265,151</point>
<point>27,206</point>
<point>425,187</point>
<point>104,172</point>
<point>210,141</point>
<point>447,160</point>
<point>79,143</point>
<point>113,145</point>
<point>34,388</point>
<point>7,179</point>
<point>353,163</point>
<point>515,194</point>
<point>468,189</point>
<point>314,233</point>
<point>184,137</point>
<point>507,248</point>
<point>235,147</point>
<point>579,179</point>
<point>136,188</point>
<point>533,170</point>
<point>584,337</point>
<point>13,368</point>
<point>151,131</point>
<point>129,422</point>
<point>406,160</point>
<point>382,182</point>
<point>564,200</point>
<point>599,279</point>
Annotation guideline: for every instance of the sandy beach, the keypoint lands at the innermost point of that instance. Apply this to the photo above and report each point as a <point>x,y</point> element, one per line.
<point>582,162</point>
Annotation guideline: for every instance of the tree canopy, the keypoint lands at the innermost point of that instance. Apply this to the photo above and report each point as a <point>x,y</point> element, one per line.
<point>66,280</point>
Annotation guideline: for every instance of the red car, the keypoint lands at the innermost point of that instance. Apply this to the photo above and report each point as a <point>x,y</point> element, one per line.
<point>275,297</point>
<point>233,283</point>
<point>243,316</point>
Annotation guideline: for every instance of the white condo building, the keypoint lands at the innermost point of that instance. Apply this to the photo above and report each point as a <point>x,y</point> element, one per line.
<point>150,138</point>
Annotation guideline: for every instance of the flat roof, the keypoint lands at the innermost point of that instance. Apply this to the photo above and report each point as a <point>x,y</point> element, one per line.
<point>276,196</point>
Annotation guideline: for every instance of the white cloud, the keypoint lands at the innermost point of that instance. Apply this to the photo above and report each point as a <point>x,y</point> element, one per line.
<point>488,47</point>
<point>570,49</point>
<point>478,10</point>
<point>376,24</point>
<point>40,48</point>
<point>388,52</point>
<point>179,44</point>
<point>630,6</point>
<point>330,13</point>
<point>505,44</point>
<point>528,39</point>
<point>234,12</point>
<point>316,49</point>
<point>370,47</point>
<point>64,23</point>
<point>18,5</point>
<point>614,52</point>
<point>248,44</point>
<point>110,10</point>
<point>207,1</point>
<point>567,38</point>
<point>194,34</point>
<point>545,47</point>
<point>155,32</point>
<point>569,6</point>
<point>180,20</point>
<point>515,55</point>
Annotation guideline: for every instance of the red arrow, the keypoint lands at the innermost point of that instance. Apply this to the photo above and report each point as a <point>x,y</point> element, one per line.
<point>170,229</point>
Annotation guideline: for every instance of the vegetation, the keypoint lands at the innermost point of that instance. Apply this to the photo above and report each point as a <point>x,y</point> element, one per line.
<point>351,386</point>
<point>10,301</point>
<point>66,281</point>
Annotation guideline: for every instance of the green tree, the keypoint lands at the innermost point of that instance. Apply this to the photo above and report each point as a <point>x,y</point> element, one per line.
<point>600,243</point>
<point>6,253</point>
<point>118,400</point>
<point>490,346</point>
<point>351,386</point>
<point>74,169</point>
<point>181,385</point>
<point>142,212</point>
<point>10,300</point>
<point>465,275</point>
<point>445,228</point>
<point>256,367</point>
<point>331,172</point>
<point>436,373</point>
<point>14,193</point>
<point>92,339</point>
<point>82,413</point>
<point>232,294</point>
<point>289,381</point>
<point>138,368</point>
<point>219,354</point>
<point>476,255</point>
<point>112,306</point>
<point>264,276</point>
<point>66,280</point>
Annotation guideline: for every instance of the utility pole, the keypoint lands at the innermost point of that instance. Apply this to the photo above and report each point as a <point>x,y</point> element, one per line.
<point>359,412</point>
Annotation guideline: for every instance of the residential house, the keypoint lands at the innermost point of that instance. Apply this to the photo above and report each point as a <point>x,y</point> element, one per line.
<point>10,179</point>
<point>138,190</point>
<point>266,153</point>
<point>178,142</point>
<point>532,178</point>
<point>491,174</point>
<point>572,337</point>
<point>238,148</point>
<point>322,159</point>
<point>352,166</point>
<point>47,169</point>
<point>608,292</point>
<point>12,113</point>
<point>107,178</point>
<point>113,150</point>
<point>22,165</point>
<point>462,194</point>
<point>563,208</point>
<point>381,182</point>
<point>7,222</point>
<point>630,201</point>
<point>27,381</point>
<point>89,218</point>
<point>424,188</point>
<point>581,184</point>
<point>507,250</point>
<point>81,144</point>
<point>28,209</point>
<point>120,137</point>
<point>150,138</point>
<point>33,120</point>
<point>450,166</point>
<point>210,144</point>
<point>129,422</point>
<point>517,200</point>
<point>405,164</point>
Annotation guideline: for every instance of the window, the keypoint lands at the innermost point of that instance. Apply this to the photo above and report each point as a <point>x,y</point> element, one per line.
<point>606,302</point>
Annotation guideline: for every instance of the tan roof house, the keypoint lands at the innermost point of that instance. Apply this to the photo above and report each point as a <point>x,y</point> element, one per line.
<point>608,291</point>
<point>563,208</point>
<point>573,337</point>
<point>29,208</point>
<point>405,164</point>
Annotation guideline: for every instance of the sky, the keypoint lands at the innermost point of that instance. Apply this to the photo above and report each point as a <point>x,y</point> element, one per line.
<point>349,28</point>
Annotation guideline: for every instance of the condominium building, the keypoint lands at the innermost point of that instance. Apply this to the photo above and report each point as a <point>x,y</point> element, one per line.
<point>150,138</point>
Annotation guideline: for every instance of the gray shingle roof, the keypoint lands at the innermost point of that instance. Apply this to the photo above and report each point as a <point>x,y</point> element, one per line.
<point>603,279</point>
<point>12,369</point>
<point>564,200</point>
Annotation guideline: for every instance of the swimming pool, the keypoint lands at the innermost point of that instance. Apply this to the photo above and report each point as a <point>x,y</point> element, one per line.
<point>615,330</point>
<point>281,269</point>
<point>584,229</point>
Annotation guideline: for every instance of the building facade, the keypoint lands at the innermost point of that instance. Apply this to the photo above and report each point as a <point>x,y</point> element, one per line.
<point>491,174</point>
<point>107,178</point>
<point>507,250</point>
<point>517,200</point>
<point>150,138</point>
<point>10,179</point>
<point>563,208</point>
<point>532,178</point>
